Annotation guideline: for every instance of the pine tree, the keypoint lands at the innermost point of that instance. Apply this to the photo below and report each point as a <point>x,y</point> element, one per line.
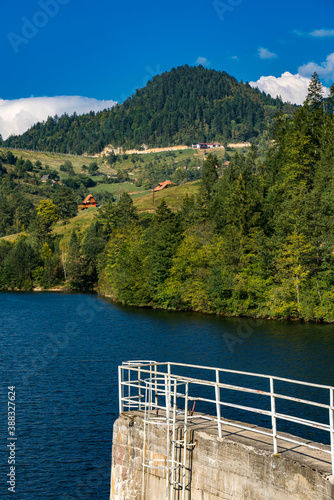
<point>210,174</point>
<point>126,212</point>
<point>163,239</point>
<point>314,99</point>
<point>106,217</point>
<point>330,102</point>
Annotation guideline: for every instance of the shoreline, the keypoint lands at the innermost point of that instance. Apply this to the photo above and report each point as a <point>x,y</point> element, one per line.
<point>212,313</point>
<point>148,306</point>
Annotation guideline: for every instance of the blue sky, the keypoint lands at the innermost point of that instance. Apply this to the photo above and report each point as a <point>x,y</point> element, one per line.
<point>104,50</point>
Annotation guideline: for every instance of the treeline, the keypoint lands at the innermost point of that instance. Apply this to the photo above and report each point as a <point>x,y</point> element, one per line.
<point>184,105</point>
<point>257,241</point>
<point>44,260</point>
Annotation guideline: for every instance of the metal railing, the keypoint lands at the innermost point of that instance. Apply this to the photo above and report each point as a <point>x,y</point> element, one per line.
<point>134,374</point>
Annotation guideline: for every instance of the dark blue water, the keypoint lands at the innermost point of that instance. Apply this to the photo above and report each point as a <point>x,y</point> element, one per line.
<point>61,352</point>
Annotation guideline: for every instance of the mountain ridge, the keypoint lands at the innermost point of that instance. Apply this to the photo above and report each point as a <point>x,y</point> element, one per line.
<point>187,104</point>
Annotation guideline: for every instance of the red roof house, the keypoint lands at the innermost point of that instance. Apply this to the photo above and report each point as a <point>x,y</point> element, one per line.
<point>89,201</point>
<point>163,185</point>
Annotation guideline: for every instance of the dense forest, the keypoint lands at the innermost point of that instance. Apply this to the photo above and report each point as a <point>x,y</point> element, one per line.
<point>185,105</point>
<point>257,240</point>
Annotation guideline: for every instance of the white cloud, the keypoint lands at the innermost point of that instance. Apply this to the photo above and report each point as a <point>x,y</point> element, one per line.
<point>297,32</point>
<point>325,70</point>
<point>203,61</point>
<point>265,54</point>
<point>17,115</point>
<point>322,33</point>
<point>315,33</point>
<point>292,88</point>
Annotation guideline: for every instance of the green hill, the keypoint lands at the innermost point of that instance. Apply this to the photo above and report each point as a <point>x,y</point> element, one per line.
<point>185,105</point>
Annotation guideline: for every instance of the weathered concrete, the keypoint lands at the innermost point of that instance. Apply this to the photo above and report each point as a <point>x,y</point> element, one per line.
<point>238,466</point>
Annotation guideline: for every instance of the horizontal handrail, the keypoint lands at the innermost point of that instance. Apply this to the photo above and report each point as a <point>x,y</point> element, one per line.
<point>241,388</point>
<point>237,372</point>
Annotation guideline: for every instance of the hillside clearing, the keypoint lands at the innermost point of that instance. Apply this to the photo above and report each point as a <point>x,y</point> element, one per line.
<point>79,223</point>
<point>172,195</point>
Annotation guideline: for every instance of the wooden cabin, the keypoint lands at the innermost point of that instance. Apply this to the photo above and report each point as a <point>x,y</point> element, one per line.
<point>88,202</point>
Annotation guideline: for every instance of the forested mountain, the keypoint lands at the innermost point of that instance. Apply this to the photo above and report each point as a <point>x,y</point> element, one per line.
<point>185,105</point>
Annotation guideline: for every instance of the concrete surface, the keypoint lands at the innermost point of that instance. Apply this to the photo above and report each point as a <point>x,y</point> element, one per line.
<point>238,466</point>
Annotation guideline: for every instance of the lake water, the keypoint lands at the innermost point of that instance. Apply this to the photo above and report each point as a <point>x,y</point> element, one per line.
<point>61,352</point>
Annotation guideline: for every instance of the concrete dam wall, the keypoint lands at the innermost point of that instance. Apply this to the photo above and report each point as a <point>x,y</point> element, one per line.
<point>239,465</point>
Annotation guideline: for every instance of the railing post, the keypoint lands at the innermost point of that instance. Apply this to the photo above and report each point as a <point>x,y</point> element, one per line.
<point>120,390</point>
<point>156,389</point>
<point>139,389</point>
<point>184,469</point>
<point>173,475</point>
<point>273,414</point>
<point>217,391</point>
<point>167,402</point>
<point>129,388</point>
<point>331,423</point>
<point>150,394</point>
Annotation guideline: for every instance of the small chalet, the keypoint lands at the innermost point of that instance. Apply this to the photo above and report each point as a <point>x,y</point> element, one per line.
<point>88,202</point>
<point>163,185</point>
<point>46,178</point>
<point>206,145</point>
